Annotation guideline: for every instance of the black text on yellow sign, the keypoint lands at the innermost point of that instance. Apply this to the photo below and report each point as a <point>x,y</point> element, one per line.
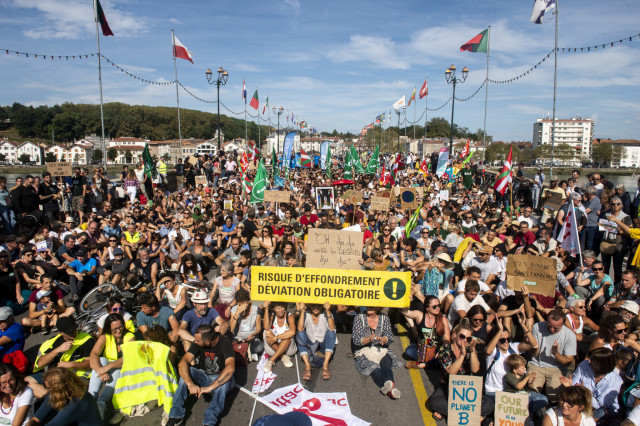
<point>336,286</point>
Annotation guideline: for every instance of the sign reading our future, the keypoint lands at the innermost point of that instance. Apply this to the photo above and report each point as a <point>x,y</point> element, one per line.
<point>336,286</point>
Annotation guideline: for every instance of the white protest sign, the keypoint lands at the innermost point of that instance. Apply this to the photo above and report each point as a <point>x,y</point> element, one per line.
<point>465,400</point>
<point>329,248</point>
<point>511,409</point>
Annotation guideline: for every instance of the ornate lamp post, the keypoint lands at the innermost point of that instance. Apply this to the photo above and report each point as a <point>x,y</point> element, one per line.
<point>450,75</point>
<point>223,76</point>
<point>278,111</point>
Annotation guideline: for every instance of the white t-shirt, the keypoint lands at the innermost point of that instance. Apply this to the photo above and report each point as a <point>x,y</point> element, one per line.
<point>483,286</point>
<point>494,377</point>
<point>25,398</point>
<point>460,303</point>
<point>491,267</point>
<point>558,420</point>
<point>634,416</point>
<point>127,316</point>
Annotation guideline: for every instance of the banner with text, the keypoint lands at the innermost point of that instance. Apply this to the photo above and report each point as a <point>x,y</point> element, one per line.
<point>465,400</point>
<point>336,286</point>
<point>511,408</point>
<point>59,169</point>
<point>443,158</point>
<point>539,274</point>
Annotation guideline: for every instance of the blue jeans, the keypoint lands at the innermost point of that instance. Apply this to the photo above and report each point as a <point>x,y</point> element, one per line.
<point>535,196</point>
<point>591,238</point>
<point>200,378</point>
<point>306,347</point>
<point>5,217</point>
<point>412,353</point>
<point>537,401</point>
<point>95,384</point>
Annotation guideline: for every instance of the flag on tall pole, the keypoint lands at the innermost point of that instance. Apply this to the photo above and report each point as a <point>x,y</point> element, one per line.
<point>355,161</point>
<point>244,92</point>
<point>424,90</point>
<point>266,105</point>
<point>255,103</point>
<point>465,150</point>
<point>374,162</point>
<point>540,7</point>
<point>274,161</point>
<point>149,165</point>
<point>504,178</point>
<point>413,96</point>
<point>568,236</point>
<point>347,165</point>
<point>400,103</point>
<point>305,159</point>
<point>477,44</point>
<point>328,162</point>
<point>259,184</point>
<point>412,223</point>
<point>102,19</point>
<point>181,51</point>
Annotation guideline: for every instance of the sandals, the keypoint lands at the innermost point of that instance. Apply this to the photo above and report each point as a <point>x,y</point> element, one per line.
<point>414,364</point>
<point>307,375</point>
<point>326,374</point>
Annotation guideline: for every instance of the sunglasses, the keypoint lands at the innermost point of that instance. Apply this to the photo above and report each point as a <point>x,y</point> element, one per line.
<point>113,241</point>
<point>117,309</point>
<point>504,340</point>
<point>435,306</point>
<point>568,404</point>
<point>477,319</point>
<point>598,269</point>
<point>621,331</point>
<point>467,338</point>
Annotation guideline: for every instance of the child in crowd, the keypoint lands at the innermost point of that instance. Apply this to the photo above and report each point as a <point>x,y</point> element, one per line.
<point>517,381</point>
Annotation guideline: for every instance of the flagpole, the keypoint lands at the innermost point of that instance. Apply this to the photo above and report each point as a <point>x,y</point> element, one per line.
<point>175,66</point>
<point>415,104</point>
<point>426,111</point>
<point>246,138</point>
<point>104,144</point>
<point>258,142</point>
<point>555,86</point>
<point>486,94</point>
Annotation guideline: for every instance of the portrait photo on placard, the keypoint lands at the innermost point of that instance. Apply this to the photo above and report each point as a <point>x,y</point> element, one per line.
<point>325,198</point>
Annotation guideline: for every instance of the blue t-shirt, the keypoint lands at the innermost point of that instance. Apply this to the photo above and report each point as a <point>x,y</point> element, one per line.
<point>606,279</point>
<point>15,332</point>
<point>194,321</point>
<point>78,266</point>
<point>162,319</point>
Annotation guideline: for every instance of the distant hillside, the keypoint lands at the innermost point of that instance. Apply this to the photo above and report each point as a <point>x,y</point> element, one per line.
<point>75,121</point>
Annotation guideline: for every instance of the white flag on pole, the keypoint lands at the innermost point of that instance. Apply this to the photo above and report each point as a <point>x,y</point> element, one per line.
<point>400,103</point>
<point>568,236</point>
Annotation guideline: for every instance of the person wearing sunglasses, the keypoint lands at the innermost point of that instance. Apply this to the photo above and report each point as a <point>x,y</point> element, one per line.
<point>115,305</point>
<point>598,290</point>
<point>576,320</point>
<point>613,333</point>
<point>460,356</point>
<point>614,244</point>
<point>574,408</point>
<point>432,327</point>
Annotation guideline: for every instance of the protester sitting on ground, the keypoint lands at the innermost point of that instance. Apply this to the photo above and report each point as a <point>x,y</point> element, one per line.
<point>67,402</point>
<point>596,288</point>
<point>106,360</point>
<point>612,334</point>
<point>246,326</point>
<point>278,335</point>
<point>82,273</point>
<point>12,338</point>
<point>225,287</point>
<point>46,306</point>
<point>113,271</point>
<point>463,302</point>
<point>172,295</point>
<point>115,305</point>
<point>574,407</point>
<point>200,314</point>
<point>518,381</point>
<point>15,396</point>
<point>316,332</point>
<point>433,330</point>
<point>151,314</point>
<point>576,320</point>
<point>371,338</point>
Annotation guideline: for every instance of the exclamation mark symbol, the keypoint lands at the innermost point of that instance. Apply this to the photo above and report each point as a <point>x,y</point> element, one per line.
<point>394,286</point>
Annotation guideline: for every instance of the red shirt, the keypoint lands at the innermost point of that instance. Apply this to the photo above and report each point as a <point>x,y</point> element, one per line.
<point>304,220</point>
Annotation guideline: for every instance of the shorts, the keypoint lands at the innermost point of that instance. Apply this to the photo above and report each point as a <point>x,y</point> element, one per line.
<point>77,203</point>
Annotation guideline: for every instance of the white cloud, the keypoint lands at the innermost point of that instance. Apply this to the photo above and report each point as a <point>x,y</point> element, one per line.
<point>381,51</point>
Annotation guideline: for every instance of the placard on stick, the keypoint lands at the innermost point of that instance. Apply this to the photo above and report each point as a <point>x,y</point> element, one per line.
<point>465,400</point>
<point>201,180</point>
<point>59,169</point>
<point>539,274</point>
<point>277,196</point>
<point>353,196</point>
<point>409,198</point>
<point>553,201</point>
<point>511,408</point>
<point>379,203</point>
<point>333,249</point>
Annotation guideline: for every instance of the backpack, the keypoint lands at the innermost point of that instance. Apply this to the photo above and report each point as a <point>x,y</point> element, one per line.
<point>497,356</point>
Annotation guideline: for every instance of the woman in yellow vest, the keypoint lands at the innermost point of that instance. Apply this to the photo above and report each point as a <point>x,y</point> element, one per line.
<point>106,359</point>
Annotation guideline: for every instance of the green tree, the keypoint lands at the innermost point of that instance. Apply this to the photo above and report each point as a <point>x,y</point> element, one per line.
<point>496,151</point>
<point>564,152</point>
<point>24,158</point>
<point>3,157</point>
<point>616,154</point>
<point>128,156</point>
<point>97,155</point>
<point>112,154</point>
<point>602,153</point>
<point>50,157</point>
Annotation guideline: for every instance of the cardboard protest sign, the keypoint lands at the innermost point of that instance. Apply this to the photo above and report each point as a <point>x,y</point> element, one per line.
<point>379,203</point>
<point>444,195</point>
<point>201,180</point>
<point>605,225</point>
<point>228,204</point>
<point>465,400</point>
<point>59,169</point>
<point>539,274</point>
<point>336,286</point>
<point>511,408</point>
<point>409,199</point>
<point>553,200</point>
<point>330,248</point>
<point>420,191</point>
<point>277,196</point>
<point>353,195</point>
<point>411,172</point>
<point>192,160</point>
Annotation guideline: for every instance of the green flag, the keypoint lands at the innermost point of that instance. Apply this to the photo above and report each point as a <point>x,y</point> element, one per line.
<point>149,166</point>
<point>355,161</point>
<point>274,160</point>
<point>259,184</point>
<point>327,163</point>
<point>374,163</point>
<point>466,160</point>
<point>347,165</point>
<point>413,221</point>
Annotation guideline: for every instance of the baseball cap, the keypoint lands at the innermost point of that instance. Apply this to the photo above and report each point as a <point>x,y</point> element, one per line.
<point>66,325</point>
<point>117,251</point>
<point>82,251</point>
<point>5,312</point>
<point>42,293</point>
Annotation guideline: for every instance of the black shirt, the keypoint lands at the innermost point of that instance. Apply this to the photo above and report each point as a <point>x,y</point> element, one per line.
<point>49,204</point>
<point>25,199</point>
<point>249,230</point>
<point>77,183</point>
<point>84,351</point>
<point>211,359</point>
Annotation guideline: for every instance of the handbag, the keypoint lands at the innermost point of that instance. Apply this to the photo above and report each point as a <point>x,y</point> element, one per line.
<point>426,351</point>
<point>607,248</point>
<point>240,349</point>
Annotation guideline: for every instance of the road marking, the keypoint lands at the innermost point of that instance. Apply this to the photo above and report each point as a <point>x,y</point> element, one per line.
<point>416,380</point>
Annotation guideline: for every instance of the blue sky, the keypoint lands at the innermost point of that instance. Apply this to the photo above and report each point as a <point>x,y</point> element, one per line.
<point>335,64</point>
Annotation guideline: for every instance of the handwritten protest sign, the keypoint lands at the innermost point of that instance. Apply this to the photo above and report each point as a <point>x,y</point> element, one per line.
<point>605,225</point>
<point>539,274</point>
<point>353,195</point>
<point>553,200</point>
<point>465,400</point>
<point>379,203</point>
<point>444,195</point>
<point>511,408</point>
<point>420,191</point>
<point>409,199</point>
<point>59,169</point>
<point>201,180</point>
<point>228,204</point>
<point>277,196</point>
<point>329,248</point>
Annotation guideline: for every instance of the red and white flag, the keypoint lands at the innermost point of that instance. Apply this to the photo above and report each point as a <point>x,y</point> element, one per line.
<point>504,178</point>
<point>568,236</point>
<point>424,90</point>
<point>181,51</point>
<point>424,168</point>
<point>465,150</point>
<point>305,159</point>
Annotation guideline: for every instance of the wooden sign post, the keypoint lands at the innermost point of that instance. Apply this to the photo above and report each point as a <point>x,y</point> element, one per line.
<point>333,249</point>
<point>465,400</point>
<point>59,169</point>
<point>539,274</point>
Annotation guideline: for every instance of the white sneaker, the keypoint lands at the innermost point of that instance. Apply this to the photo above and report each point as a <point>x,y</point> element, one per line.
<point>249,355</point>
<point>286,361</point>
<point>336,340</point>
<point>268,366</point>
<point>256,358</point>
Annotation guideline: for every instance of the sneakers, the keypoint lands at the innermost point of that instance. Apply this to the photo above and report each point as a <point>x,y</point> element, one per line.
<point>286,361</point>
<point>388,385</point>
<point>174,422</point>
<point>165,418</point>
<point>45,331</point>
<point>249,355</point>
<point>268,366</point>
<point>395,393</point>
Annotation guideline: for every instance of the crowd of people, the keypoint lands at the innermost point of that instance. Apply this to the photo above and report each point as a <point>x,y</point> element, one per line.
<point>575,354</point>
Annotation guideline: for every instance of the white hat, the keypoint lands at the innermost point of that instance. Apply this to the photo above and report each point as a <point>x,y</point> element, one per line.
<point>199,297</point>
<point>631,306</point>
<point>446,259</point>
<point>5,312</point>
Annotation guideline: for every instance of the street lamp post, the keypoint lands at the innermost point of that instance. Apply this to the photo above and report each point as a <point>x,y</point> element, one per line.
<point>223,76</point>
<point>278,111</point>
<point>450,75</point>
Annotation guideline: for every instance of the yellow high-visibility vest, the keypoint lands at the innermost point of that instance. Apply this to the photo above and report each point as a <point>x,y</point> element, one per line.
<point>162,167</point>
<point>146,375</point>
<point>81,339</point>
<point>110,350</point>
